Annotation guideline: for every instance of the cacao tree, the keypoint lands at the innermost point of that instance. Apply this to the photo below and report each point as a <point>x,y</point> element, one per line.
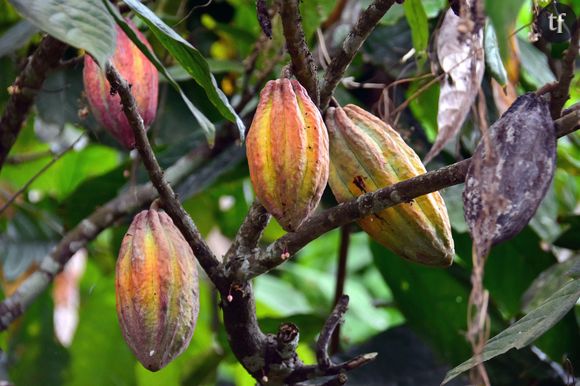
<point>278,192</point>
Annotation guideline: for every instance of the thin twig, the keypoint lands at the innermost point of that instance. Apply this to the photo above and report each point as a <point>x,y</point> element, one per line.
<point>560,95</point>
<point>365,24</point>
<point>38,174</point>
<point>24,158</point>
<point>339,380</point>
<point>24,90</point>
<point>340,280</point>
<point>335,318</point>
<point>335,15</point>
<point>303,65</point>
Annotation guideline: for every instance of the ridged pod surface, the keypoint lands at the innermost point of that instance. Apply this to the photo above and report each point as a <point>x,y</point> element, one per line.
<point>504,190</point>
<point>157,289</point>
<point>366,154</point>
<point>287,149</point>
<point>141,75</point>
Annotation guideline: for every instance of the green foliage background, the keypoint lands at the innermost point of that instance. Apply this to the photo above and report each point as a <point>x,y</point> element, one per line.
<point>385,291</point>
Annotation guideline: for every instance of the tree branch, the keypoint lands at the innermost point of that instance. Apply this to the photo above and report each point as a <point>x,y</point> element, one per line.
<point>24,90</point>
<point>561,94</point>
<point>367,204</point>
<point>303,65</point>
<point>249,234</point>
<point>341,273</point>
<point>365,24</point>
<point>259,353</point>
<point>170,202</point>
<point>333,321</point>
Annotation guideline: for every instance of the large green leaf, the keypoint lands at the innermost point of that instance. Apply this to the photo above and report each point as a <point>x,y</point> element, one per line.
<point>191,60</point>
<point>523,254</point>
<point>99,336</point>
<point>503,14</point>
<point>35,356</point>
<point>205,124</point>
<point>528,328</point>
<point>433,301</point>
<point>535,69</point>
<point>83,24</point>
<point>493,60</point>
<point>417,19</point>
<point>29,236</point>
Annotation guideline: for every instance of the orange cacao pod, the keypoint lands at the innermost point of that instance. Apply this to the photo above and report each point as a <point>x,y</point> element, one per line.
<point>156,289</point>
<point>287,149</point>
<point>366,154</point>
<point>141,75</point>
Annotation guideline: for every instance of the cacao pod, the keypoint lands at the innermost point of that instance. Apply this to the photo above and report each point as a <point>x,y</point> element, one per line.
<point>366,154</point>
<point>503,191</point>
<point>156,289</point>
<point>141,75</point>
<point>287,149</point>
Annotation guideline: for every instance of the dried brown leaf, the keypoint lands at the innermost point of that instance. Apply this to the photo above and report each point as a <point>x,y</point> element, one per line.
<point>461,57</point>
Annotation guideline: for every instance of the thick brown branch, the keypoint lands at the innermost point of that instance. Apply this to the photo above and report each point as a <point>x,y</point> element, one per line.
<point>560,94</point>
<point>24,90</point>
<point>250,232</point>
<point>365,24</point>
<point>303,65</point>
<point>170,202</point>
<point>365,205</point>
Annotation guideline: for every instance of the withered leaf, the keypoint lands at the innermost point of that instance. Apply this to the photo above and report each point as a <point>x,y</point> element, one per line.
<point>510,172</point>
<point>461,56</point>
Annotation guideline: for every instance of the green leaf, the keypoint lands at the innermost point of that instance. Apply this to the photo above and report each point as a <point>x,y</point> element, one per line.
<point>36,356</point>
<point>433,301</point>
<point>206,125</point>
<point>527,329</point>
<point>84,24</point>
<point>191,60</point>
<point>99,355</point>
<point>17,36</point>
<point>535,69</point>
<point>29,236</point>
<point>523,254</point>
<point>548,282</point>
<point>493,57</point>
<point>569,239</point>
<point>279,298</point>
<point>503,14</point>
<point>417,19</point>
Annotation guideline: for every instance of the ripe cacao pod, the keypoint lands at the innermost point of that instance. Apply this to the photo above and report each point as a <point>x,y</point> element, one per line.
<point>503,191</point>
<point>156,289</point>
<point>366,154</point>
<point>141,75</point>
<point>287,149</point>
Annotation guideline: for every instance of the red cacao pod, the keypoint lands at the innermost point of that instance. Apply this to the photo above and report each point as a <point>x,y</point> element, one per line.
<point>156,289</point>
<point>287,149</point>
<point>139,72</point>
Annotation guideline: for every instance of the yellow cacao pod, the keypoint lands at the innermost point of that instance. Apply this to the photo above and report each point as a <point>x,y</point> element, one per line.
<point>366,154</point>
<point>156,289</point>
<point>287,149</point>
